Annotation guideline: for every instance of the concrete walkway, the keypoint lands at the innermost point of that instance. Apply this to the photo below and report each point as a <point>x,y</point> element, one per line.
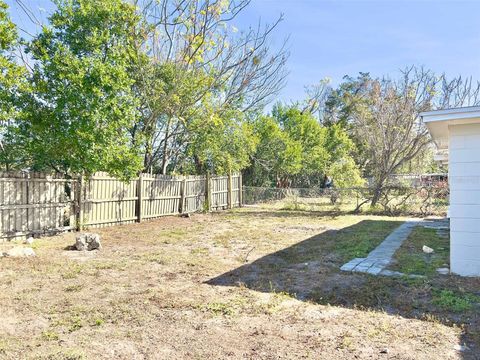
<point>376,262</point>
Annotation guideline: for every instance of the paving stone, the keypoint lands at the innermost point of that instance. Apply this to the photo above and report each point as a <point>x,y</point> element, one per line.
<point>362,268</point>
<point>391,273</point>
<point>443,271</point>
<point>415,276</point>
<point>375,270</point>
<point>379,258</point>
<point>351,264</point>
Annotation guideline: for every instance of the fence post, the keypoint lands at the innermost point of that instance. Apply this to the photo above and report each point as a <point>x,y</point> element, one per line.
<point>183,194</point>
<point>229,191</point>
<point>73,204</point>
<point>240,189</point>
<point>139,197</point>
<point>79,203</point>
<point>208,192</point>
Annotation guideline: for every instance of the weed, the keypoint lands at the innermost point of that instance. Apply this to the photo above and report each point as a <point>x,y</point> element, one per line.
<point>199,251</point>
<point>410,258</point>
<point>294,205</point>
<point>66,355</point>
<point>73,288</point>
<point>99,322</point>
<point>158,258</point>
<point>452,301</point>
<point>50,335</point>
<point>218,308</point>
<point>72,272</point>
<point>75,323</point>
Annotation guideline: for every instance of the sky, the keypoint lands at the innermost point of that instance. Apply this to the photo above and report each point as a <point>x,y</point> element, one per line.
<point>334,38</point>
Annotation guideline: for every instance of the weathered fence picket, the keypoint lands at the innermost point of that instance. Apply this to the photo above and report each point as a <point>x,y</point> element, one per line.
<point>40,203</point>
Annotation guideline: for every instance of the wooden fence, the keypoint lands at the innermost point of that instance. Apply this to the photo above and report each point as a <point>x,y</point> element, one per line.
<point>39,203</point>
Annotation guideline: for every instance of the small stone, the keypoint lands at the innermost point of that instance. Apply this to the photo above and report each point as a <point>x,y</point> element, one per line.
<point>384,351</point>
<point>87,242</point>
<point>29,241</point>
<point>19,251</point>
<point>443,271</point>
<point>461,348</point>
<point>391,273</point>
<point>427,250</point>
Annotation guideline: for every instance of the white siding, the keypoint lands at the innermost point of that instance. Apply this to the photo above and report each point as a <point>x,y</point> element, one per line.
<point>464,180</point>
<point>465,197</point>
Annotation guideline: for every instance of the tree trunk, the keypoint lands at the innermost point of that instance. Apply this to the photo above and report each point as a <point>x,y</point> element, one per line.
<point>377,191</point>
<point>164,164</point>
<point>376,195</point>
<point>165,146</point>
<point>148,158</point>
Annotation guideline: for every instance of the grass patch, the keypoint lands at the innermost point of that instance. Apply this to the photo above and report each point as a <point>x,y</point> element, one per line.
<point>66,355</point>
<point>454,301</point>
<point>98,322</point>
<point>73,288</point>
<point>410,258</point>
<point>50,335</point>
<point>219,308</point>
<point>72,272</point>
<point>357,241</point>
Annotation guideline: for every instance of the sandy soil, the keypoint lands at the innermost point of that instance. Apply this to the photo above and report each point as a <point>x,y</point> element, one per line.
<point>255,283</point>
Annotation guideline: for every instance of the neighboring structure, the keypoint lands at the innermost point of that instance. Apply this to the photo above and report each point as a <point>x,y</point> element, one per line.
<point>456,133</point>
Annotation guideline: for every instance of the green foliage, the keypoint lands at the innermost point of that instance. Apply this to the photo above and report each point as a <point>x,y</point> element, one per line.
<point>197,135</point>
<point>304,129</point>
<point>424,163</point>
<point>218,308</point>
<point>12,84</point>
<point>295,149</point>
<point>454,301</point>
<point>221,143</point>
<point>277,154</point>
<point>11,74</point>
<point>84,104</point>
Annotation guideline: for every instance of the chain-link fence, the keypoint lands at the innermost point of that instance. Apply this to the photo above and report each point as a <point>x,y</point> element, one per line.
<point>393,200</point>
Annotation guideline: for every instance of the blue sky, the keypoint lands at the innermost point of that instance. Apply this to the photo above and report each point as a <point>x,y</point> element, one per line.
<point>333,38</point>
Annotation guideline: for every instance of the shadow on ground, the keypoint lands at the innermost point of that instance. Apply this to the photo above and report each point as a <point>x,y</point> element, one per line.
<point>309,270</point>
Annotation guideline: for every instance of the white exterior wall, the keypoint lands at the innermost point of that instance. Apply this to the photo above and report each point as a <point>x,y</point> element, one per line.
<point>464,180</point>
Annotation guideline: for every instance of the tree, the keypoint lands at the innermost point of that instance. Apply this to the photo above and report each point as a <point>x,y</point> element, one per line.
<point>220,144</point>
<point>83,106</point>
<point>12,84</point>
<point>277,157</point>
<point>296,150</point>
<point>303,128</point>
<point>201,68</point>
<point>383,117</point>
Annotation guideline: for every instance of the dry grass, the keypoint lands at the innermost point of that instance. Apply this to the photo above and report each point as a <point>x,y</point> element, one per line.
<point>257,282</point>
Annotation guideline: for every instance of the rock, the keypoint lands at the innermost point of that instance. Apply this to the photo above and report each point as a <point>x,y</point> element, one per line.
<point>461,348</point>
<point>384,351</point>
<point>443,271</point>
<point>88,242</point>
<point>427,250</point>
<point>29,241</point>
<point>19,251</point>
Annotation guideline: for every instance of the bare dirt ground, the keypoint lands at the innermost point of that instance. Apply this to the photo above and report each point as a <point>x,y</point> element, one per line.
<point>253,283</point>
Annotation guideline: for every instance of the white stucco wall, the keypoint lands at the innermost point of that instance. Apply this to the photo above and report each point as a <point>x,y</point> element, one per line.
<point>464,180</point>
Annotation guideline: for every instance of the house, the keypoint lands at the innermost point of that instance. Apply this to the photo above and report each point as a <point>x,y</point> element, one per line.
<point>456,132</point>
